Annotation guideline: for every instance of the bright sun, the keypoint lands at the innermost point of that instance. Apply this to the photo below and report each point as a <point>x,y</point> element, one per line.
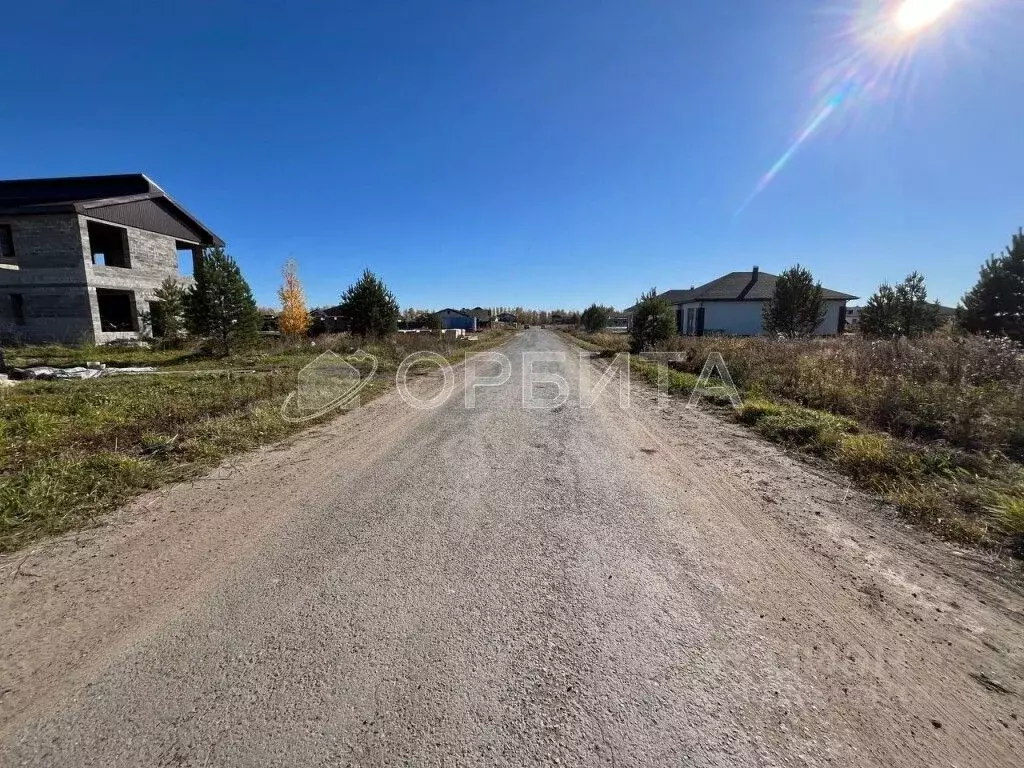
<point>914,15</point>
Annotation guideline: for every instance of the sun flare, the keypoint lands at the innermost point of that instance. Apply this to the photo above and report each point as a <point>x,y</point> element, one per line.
<point>914,15</point>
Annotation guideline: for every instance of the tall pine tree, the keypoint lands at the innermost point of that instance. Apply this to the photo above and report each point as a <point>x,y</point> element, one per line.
<point>197,309</point>
<point>220,303</point>
<point>996,303</point>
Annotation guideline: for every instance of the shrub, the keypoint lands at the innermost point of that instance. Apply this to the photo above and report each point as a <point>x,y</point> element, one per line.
<point>595,318</point>
<point>962,390</point>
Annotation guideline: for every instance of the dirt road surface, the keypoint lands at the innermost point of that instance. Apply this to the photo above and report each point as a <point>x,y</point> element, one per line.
<point>639,586</point>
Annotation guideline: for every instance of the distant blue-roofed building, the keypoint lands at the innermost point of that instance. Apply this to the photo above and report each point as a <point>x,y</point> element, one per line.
<point>453,318</point>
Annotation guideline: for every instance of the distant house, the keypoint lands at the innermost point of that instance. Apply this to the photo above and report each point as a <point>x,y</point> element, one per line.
<point>455,318</point>
<point>483,316</point>
<point>618,322</point>
<point>946,314</point>
<point>732,305</point>
<point>853,318</point>
<point>327,320</point>
<point>507,318</point>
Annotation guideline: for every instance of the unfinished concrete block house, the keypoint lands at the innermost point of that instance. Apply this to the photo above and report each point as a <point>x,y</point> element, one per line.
<point>81,257</point>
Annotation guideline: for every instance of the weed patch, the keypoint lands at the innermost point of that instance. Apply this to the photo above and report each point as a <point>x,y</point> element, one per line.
<point>935,429</point>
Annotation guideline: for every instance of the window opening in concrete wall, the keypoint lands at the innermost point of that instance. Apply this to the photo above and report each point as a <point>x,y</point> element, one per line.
<point>187,258</point>
<point>108,245</point>
<point>117,310</point>
<point>156,320</point>
<point>18,308</point>
<point>6,244</point>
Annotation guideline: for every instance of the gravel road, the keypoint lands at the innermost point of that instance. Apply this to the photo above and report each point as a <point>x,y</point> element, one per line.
<point>638,586</point>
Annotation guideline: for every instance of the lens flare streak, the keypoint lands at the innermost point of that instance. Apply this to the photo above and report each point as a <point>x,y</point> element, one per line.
<point>822,115</point>
<point>883,43</point>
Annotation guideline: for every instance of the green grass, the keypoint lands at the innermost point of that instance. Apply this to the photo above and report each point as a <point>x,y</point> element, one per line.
<point>72,450</point>
<point>674,382</point>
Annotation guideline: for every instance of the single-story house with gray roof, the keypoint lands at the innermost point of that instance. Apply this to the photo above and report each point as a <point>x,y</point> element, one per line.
<point>732,305</point>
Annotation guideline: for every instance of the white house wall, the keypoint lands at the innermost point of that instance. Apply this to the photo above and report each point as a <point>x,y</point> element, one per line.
<point>743,318</point>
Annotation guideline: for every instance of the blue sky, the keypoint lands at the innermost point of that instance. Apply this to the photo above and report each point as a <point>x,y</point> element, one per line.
<point>539,153</point>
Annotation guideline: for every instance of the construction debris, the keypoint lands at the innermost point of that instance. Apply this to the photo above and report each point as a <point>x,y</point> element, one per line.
<point>91,371</point>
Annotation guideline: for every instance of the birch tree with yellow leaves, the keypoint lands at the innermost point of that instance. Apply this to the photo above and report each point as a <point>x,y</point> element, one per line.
<point>294,318</point>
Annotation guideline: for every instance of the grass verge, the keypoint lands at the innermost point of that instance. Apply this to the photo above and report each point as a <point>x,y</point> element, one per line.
<point>969,496</point>
<point>72,450</point>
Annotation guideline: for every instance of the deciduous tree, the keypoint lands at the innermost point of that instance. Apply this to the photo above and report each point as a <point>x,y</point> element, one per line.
<point>427,320</point>
<point>294,318</point>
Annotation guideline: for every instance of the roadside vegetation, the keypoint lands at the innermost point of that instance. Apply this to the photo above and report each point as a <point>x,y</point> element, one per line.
<point>929,418</point>
<point>71,450</point>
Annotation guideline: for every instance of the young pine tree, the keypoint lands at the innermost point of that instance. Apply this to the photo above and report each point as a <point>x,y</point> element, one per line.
<point>880,315</point>
<point>294,318</point>
<point>221,304</point>
<point>996,303</point>
<point>369,307</point>
<point>797,307</point>
<point>167,319</point>
<point>653,322</point>
<point>900,310</point>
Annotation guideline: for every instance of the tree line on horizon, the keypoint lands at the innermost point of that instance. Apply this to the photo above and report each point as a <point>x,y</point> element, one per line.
<point>219,306</point>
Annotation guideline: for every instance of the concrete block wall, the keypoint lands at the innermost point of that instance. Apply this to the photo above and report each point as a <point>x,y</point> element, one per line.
<point>58,281</point>
<point>152,258</point>
<point>50,276</point>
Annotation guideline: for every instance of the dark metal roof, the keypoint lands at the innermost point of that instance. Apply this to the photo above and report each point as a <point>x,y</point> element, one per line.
<point>676,296</point>
<point>335,311</point>
<point>672,297</point>
<point>746,286</point>
<point>736,286</point>
<point>132,199</point>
